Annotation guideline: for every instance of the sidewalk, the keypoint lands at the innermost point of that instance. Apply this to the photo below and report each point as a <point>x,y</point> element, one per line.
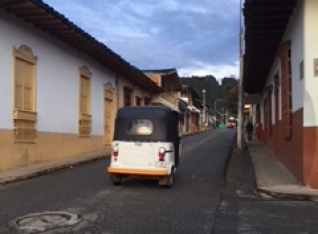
<point>37,169</point>
<point>273,178</point>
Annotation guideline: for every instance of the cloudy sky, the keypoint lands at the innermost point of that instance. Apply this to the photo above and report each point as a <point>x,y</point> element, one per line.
<point>197,37</point>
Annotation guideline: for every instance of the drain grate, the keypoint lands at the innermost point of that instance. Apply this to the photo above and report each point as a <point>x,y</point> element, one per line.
<point>40,222</point>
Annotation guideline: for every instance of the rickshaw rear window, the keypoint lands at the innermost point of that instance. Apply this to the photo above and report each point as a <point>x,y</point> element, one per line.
<point>139,127</point>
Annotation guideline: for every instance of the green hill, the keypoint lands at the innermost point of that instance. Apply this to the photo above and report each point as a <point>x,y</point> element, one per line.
<point>214,90</point>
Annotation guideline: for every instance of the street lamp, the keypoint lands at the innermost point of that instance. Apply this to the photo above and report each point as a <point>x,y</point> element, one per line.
<point>203,91</point>
<point>216,102</point>
<point>203,116</point>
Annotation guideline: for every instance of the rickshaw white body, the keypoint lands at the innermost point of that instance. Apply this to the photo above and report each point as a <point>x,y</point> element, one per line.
<point>141,158</point>
<point>146,143</point>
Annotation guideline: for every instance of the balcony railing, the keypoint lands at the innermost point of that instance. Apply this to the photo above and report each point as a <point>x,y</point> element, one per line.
<point>24,126</point>
<point>24,115</point>
<point>170,98</point>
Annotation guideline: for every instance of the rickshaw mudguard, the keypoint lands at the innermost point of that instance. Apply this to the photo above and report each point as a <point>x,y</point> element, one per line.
<point>137,172</point>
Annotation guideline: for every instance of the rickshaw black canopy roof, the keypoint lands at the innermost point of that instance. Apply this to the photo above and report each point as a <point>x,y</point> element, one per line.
<point>164,119</point>
<point>148,112</point>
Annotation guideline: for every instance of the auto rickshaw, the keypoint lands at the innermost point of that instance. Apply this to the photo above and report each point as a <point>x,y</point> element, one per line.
<point>146,144</point>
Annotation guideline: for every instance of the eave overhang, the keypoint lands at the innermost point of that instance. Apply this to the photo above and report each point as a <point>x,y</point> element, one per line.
<point>42,16</point>
<point>170,74</point>
<point>265,24</point>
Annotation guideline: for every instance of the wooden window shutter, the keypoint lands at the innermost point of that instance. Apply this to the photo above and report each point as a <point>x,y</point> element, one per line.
<point>127,96</point>
<point>84,95</point>
<point>28,87</point>
<point>24,115</point>
<point>19,81</point>
<point>147,101</point>
<point>266,116</point>
<point>85,117</point>
<point>284,53</point>
<point>138,101</point>
<point>270,111</point>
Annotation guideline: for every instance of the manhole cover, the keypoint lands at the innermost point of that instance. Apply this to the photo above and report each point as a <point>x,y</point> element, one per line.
<point>39,222</point>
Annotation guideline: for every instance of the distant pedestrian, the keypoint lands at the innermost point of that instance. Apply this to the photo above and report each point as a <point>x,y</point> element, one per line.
<point>249,130</point>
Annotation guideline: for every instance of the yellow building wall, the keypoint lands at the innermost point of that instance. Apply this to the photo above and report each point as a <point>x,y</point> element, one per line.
<point>58,146</point>
<point>48,147</point>
<point>137,91</point>
<point>155,78</point>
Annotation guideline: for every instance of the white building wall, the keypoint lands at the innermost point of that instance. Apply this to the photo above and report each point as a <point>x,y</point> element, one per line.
<point>295,33</point>
<point>6,101</point>
<point>311,53</point>
<point>262,111</point>
<point>254,119</point>
<point>57,79</point>
<point>270,81</point>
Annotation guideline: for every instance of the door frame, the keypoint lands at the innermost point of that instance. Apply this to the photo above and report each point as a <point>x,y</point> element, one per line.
<point>109,98</point>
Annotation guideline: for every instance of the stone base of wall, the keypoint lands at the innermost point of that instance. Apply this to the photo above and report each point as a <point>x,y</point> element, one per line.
<point>299,153</point>
<point>288,150</point>
<point>310,156</point>
<point>48,147</point>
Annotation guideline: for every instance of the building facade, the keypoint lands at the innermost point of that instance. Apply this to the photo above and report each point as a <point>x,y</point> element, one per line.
<point>191,117</point>
<point>60,87</point>
<point>286,114</point>
<point>169,81</point>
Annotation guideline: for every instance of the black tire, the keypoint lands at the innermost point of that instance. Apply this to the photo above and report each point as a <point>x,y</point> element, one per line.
<point>116,179</point>
<point>167,181</point>
<point>170,180</point>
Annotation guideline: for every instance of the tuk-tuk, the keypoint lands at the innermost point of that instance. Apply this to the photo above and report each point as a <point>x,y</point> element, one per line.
<point>146,144</point>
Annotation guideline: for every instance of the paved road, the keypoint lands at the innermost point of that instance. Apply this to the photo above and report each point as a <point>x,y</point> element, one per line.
<point>137,206</point>
<point>201,200</point>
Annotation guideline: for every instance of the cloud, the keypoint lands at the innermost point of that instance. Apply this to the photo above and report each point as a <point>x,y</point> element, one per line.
<point>219,72</point>
<point>193,37</point>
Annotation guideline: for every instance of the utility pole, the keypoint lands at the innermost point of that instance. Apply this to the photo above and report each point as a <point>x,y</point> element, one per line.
<point>203,116</point>
<point>240,129</point>
<point>215,102</point>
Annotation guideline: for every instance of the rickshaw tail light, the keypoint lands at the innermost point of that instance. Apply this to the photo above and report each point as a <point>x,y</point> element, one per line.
<point>115,152</point>
<point>161,157</point>
<point>161,154</point>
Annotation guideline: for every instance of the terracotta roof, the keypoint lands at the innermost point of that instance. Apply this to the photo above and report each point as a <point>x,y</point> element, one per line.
<point>265,24</point>
<point>44,17</point>
<point>170,73</point>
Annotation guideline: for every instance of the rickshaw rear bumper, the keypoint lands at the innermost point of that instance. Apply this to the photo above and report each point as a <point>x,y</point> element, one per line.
<point>137,172</point>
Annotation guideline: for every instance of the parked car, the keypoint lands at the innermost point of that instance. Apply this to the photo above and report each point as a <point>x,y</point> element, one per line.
<point>230,125</point>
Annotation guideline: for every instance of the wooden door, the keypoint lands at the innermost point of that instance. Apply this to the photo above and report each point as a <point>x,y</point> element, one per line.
<point>108,114</point>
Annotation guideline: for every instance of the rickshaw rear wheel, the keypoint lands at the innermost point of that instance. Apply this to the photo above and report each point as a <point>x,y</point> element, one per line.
<point>167,181</point>
<point>116,179</point>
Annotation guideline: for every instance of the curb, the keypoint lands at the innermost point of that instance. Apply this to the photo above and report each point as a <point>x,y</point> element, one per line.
<point>194,133</point>
<point>272,193</point>
<point>39,170</point>
<point>51,168</point>
<point>284,195</point>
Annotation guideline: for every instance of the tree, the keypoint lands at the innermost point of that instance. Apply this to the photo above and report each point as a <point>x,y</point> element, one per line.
<point>207,83</point>
<point>215,90</point>
<point>232,100</point>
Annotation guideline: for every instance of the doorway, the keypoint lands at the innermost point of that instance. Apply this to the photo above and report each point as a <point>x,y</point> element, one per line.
<point>108,114</point>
